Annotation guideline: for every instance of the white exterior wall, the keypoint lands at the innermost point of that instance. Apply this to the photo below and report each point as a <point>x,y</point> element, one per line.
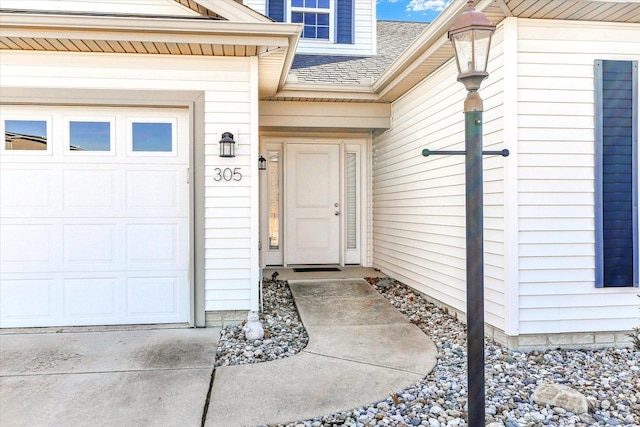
<point>556,177</point>
<point>364,20</point>
<point>418,202</point>
<point>539,201</point>
<point>142,7</point>
<point>229,86</point>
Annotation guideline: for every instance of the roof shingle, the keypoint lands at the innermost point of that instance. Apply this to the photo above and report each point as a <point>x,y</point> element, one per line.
<point>393,39</point>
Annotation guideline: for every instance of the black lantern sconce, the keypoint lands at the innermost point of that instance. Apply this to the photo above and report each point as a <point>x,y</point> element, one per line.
<point>262,163</point>
<point>227,145</point>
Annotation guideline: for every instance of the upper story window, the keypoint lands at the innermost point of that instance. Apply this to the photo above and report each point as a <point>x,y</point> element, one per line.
<point>316,17</point>
<point>324,20</point>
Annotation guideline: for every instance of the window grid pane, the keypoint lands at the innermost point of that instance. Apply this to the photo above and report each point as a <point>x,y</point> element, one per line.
<point>316,25</point>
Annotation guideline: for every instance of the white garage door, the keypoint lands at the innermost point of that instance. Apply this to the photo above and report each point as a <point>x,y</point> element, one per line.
<point>94,211</point>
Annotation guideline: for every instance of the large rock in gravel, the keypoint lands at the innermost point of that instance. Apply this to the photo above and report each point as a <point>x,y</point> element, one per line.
<point>557,395</point>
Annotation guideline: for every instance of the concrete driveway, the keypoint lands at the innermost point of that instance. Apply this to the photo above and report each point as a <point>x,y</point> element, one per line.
<point>142,377</point>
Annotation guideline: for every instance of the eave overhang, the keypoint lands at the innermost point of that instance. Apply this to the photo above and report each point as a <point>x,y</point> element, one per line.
<point>273,43</point>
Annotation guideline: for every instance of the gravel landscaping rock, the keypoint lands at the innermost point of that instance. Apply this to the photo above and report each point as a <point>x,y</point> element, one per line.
<point>607,378</point>
<point>284,334</point>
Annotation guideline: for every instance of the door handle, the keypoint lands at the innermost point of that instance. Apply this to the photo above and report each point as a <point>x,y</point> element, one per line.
<point>337,213</point>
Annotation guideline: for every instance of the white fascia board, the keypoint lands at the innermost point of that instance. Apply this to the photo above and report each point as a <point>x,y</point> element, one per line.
<point>413,55</point>
<point>325,88</point>
<point>149,29</point>
<point>320,92</point>
<point>294,39</point>
<point>233,11</point>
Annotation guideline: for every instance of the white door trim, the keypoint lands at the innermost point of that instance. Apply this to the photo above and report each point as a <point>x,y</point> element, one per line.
<point>359,146</point>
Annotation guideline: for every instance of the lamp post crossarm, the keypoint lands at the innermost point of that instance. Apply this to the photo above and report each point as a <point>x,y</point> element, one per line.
<point>426,153</point>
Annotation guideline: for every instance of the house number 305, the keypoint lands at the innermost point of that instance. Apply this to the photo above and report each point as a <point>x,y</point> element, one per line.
<point>227,174</point>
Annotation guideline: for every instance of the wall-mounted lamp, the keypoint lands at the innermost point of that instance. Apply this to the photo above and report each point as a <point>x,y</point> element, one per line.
<point>262,163</point>
<point>227,145</point>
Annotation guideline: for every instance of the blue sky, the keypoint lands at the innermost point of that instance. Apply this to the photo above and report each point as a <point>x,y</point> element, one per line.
<point>410,10</point>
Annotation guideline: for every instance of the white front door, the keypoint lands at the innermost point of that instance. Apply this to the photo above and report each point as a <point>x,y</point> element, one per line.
<point>312,191</point>
<point>94,216</point>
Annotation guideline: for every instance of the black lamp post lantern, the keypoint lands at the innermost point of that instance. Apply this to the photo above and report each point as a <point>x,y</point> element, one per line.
<point>227,145</point>
<point>262,163</point>
<point>471,39</point>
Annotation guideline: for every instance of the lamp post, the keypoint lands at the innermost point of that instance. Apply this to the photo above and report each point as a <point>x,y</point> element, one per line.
<point>471,39</point>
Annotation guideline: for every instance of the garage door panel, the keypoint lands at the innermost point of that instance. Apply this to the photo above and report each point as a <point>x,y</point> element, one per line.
<point>91,298</point>
<point>26,246</point>
<point>25,188</point>
<point>152,243</point>
<point>90,244</point>
<point>89,189</point>
<point>28,301</point>
<point>152,296</point>
<point>156,193</point>
<point>95,237</point>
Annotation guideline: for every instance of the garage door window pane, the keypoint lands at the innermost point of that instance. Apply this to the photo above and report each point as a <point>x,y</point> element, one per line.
<point>90,136</point>
<point>156,137</point>
<point>25,135</point>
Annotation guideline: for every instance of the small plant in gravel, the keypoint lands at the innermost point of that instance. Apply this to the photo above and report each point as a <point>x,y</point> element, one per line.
<point>635,336</point>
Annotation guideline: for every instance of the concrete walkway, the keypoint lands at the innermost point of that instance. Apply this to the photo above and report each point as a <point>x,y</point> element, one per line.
<point>106,377</point>
<point>360,350</point>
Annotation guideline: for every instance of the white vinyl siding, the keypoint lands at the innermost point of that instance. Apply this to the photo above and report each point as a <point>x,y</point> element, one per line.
<point>136,7</point>
<point>229,86</point>
<point>259,6</point>
<point>418,202</point>
<point>556,168</point>
<point>539,202</point>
